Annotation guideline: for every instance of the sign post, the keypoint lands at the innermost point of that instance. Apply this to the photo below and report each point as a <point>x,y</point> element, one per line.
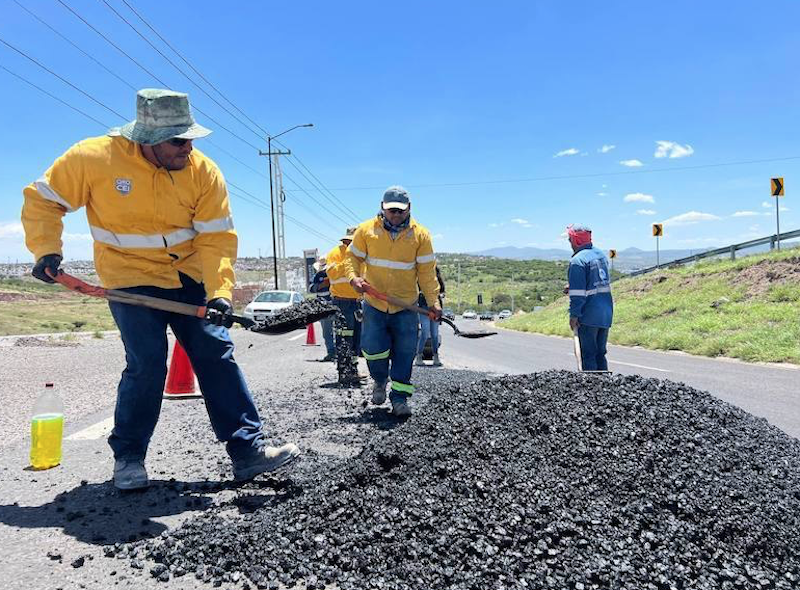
<point>658,231</point>
<point>776,185</point>
<point>612,254</point>
<point>309,258</point>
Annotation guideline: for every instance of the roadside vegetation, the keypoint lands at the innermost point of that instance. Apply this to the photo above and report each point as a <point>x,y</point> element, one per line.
<point>747,309</point>
<point>530,283</point>
<point>28,306</point>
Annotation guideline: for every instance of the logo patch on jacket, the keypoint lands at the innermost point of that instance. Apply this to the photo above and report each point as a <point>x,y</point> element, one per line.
<point>123,186</point>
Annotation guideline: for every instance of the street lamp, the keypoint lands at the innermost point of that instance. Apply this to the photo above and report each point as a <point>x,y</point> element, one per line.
<point>269,153</point>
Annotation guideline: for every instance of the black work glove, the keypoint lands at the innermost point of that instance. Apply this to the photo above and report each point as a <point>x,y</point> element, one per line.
<point>219,312</point>
<point>50,262</point>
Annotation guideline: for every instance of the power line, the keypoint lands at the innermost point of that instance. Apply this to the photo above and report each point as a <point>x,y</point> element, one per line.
<point>64,80</point>
<point>336,202</point>
<point>184,74</point>
<point>267,206</point>
<point>340,203</point>
<point>155,77</point>
<point>151,74</point>
<point>105,125</point>
<point>65,103</point>
<point>195,70</point>
<point>118,114</point>
<point>86,53</point>
<point>579,176</point>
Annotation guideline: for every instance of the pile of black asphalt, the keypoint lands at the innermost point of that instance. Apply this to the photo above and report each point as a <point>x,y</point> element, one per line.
<point>550,480</point>
<point>296,317</point>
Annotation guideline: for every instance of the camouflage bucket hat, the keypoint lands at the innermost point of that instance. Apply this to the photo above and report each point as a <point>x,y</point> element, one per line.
<point>161,115</point>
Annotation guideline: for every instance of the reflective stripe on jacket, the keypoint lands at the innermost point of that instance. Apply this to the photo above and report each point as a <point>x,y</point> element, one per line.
<point>337,273</point>
<point>148,225</point>
<point>590,288</point>
<point>394,266</point>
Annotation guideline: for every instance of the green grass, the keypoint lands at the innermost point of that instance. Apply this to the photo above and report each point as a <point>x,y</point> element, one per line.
<point>531,282</point>
<point>758,322</point>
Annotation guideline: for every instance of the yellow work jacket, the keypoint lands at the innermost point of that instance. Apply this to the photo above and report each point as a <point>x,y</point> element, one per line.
<point>336,267</point>
<point>394,266</point>
<point>148,225</point>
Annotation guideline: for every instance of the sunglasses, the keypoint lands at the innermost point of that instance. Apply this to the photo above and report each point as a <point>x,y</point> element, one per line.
<point>177,142</point>
<point>395,210</point>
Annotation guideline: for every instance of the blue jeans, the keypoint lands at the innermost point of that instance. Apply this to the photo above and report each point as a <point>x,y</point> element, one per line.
<point>428,329</point>
<point>233,414</point>
<point>593,348</point>
<point>327,335</point>
<point>351,331</point>
<point>390,337</point>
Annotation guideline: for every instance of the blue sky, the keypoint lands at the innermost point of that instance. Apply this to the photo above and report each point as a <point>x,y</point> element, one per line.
<point>494,116</point>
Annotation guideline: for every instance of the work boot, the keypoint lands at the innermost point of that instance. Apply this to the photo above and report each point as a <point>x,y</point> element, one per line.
<point>420,362</point>
<point>267,460</point>
<point>329,358</point>
<point>130,474</point>
<point>400,407</point>
<point>436,361</point>
<point>379,392</point>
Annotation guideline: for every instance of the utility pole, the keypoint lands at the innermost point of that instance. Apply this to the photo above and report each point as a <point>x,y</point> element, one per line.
<point>458,285</point>
<point>269,153</point>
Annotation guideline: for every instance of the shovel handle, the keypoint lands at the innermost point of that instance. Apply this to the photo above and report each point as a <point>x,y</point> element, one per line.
<point>199,311</point>
<point>400,303</point>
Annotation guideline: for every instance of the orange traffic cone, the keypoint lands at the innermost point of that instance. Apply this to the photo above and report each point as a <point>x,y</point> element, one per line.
<point>180,379</point>
<point>311,336</point>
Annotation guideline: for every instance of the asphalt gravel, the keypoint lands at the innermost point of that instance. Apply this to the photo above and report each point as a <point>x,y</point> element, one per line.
<point>296,317</point>
<point>549,480</point>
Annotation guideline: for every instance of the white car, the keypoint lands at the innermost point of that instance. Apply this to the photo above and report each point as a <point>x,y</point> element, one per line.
<point>469,315</point>
<point>268,303</point>
<point>505,314</point>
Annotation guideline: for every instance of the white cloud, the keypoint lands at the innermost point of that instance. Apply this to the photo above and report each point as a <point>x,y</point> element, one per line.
<point>602,194</point>
<point>606,148</point>
<point>11,229</point>
<point>767,205</point>
<point>631,163</point>
<point>638,198</point>
<point>567,152</point>
<point>522,222</point>
<point>670,149</point>
<point>645,212</point>
<point>493,225</point>
<point>690,218</point>
<point>438,237</point>
<point>745,214</point>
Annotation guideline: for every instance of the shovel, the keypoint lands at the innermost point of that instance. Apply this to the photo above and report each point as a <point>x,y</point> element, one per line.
<point>576,344</point>
<point>428,312</point>
<point>198,311</point>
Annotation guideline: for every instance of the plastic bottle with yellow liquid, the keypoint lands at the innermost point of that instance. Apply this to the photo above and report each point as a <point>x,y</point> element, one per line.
<point>47,429</point>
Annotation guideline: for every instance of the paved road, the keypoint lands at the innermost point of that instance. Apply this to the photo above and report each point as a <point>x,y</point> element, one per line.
<point>72,511</point>
<point>769,391</point>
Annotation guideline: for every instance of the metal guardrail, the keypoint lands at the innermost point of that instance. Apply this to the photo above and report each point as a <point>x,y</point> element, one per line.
<point>732,249</point>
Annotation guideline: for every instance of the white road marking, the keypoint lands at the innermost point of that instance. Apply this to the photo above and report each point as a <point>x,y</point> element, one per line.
<point>94,431</point>
<point>298,337</point>
<point>639,366</point>
<point>632,365</point>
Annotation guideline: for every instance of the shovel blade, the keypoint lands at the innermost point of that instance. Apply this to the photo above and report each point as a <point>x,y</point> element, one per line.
<point>481,334</point>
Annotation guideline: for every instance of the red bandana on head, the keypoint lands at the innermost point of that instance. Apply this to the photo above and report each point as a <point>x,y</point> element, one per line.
<point>579,236</point>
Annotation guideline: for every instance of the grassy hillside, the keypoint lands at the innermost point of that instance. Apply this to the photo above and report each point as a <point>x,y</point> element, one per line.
<point>747,309</point>
<point>531,282</point>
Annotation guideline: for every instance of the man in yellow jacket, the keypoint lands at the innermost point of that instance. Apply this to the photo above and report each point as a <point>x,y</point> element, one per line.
<point>348,300</point>
<point>159,215</point>
<point>393,254</point>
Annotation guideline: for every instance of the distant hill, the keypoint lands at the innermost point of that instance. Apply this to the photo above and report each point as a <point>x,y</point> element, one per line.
<point>626,260</point>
